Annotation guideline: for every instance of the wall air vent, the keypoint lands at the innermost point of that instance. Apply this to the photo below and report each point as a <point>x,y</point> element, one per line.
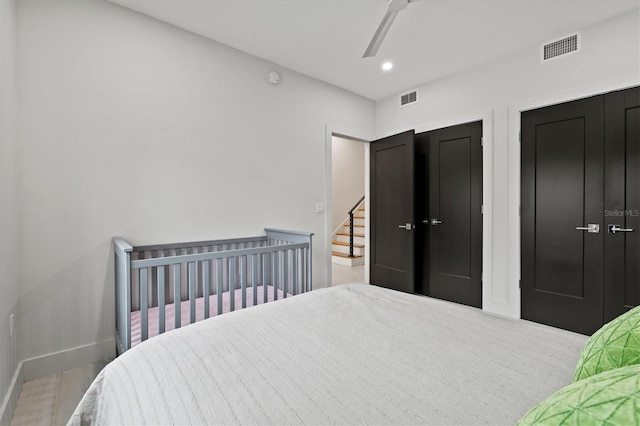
<point>409,98</point>
<point>560,47</point>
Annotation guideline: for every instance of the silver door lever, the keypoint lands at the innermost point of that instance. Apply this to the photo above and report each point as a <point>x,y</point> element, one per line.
<point>435,222</point>
<point>614,229</point>
<point>593,228</point>
<point>407,226</point>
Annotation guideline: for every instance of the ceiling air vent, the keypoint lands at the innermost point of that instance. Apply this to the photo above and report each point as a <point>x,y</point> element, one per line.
<point>560,47</point>
<point>409,98</point>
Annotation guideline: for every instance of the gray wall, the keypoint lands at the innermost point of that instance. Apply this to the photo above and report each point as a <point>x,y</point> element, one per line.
<point>9,210</point>
<point>133,127</point>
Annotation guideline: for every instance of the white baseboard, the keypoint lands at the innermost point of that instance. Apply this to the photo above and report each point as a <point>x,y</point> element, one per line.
<point>68,359</point>
<point>346,261</point>
<point>10,402</point>
<point>45,365</point>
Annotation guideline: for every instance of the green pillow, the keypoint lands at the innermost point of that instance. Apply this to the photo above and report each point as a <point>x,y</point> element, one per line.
<point>616,344</point>
<point>609,398</point>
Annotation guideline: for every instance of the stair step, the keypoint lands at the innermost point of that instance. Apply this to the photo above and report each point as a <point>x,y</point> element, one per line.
<point>343,247</point>
<point>335,253</point>
<point>347,261</point>
<point>346,234</point>
<point>355,225</point>
<point>340,243</point>
<point>357,216</point>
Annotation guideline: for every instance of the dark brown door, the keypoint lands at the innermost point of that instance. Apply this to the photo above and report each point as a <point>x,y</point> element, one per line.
<point>455,216</point>
<point>562,192</point>
<point>391,206</point>
<point>622,202</point>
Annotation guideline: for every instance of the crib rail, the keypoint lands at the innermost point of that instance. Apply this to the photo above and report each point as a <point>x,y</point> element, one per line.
<point>204,276</point>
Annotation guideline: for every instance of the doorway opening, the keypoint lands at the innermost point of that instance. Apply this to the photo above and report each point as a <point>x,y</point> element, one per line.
<point>347,216</point>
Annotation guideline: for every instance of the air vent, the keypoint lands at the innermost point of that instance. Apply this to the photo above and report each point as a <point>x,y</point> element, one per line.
<point>560,47</point>
<point>409,98</point>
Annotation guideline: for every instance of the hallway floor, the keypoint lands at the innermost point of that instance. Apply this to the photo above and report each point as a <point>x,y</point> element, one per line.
<point>344,275</point>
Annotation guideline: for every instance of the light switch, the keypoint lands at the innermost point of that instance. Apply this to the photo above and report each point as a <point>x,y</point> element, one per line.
<point>319,207</point>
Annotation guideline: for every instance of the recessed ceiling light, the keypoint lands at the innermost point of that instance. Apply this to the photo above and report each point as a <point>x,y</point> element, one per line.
<point>387,66</point>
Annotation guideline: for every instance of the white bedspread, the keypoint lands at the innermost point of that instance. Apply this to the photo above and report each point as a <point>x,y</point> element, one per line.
<point>351,354</point>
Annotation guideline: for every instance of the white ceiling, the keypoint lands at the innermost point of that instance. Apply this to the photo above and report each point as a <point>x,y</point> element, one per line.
<point>325,39</point>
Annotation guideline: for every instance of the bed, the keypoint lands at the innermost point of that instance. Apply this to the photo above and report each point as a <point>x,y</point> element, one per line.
<point>350,354</point>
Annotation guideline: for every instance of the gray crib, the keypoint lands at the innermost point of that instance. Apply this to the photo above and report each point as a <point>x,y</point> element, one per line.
<point>167,286</point>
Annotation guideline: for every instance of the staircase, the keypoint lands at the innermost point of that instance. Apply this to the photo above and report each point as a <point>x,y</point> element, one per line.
<point>340,243</point>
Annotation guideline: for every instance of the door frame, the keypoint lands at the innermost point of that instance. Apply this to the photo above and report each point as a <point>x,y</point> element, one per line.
<point>340,131</point>
<point>514,173</point>
<point>489,300</point>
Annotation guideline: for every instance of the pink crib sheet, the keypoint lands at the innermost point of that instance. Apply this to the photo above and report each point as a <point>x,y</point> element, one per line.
<point>136,316</point>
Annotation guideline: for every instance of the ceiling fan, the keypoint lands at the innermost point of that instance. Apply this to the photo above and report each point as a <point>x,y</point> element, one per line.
<point>395,6</point>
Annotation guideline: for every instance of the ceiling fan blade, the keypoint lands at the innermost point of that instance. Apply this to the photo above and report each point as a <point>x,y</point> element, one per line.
<point>380,33</point>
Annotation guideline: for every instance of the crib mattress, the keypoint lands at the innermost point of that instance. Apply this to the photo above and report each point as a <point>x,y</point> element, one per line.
<point>353,354</point>
<point>185,318</point>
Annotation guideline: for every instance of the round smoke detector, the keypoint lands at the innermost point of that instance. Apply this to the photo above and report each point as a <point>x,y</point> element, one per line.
<point>273,77</point>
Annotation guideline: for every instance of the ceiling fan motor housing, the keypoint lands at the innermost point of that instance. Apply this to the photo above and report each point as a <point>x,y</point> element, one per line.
<point>397,5</point>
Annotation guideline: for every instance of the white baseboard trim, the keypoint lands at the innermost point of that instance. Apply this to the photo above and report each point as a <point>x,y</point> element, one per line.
<point>345,261</point>
<point>10,402</point>
<point>68,359</point>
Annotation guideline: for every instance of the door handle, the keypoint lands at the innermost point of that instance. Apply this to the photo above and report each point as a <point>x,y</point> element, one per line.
<point>406,226</point>
<point>614,229</point>
<point>593,228</point>
<point>435,222</point>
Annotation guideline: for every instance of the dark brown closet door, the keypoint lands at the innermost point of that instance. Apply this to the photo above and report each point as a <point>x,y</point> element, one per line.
<point>622,202</point>
<point>391,207</point>
<point>455,216</point>
<point>562,191</point>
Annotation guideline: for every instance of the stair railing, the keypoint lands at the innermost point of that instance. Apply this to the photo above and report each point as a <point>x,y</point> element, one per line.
<point>351,226</point>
